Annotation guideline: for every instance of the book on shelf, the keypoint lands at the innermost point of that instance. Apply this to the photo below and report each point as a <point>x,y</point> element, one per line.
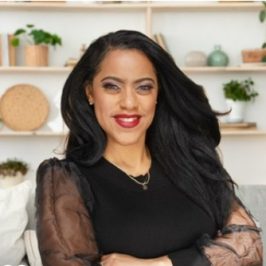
<point>7,50</point>
<point>159,38</point>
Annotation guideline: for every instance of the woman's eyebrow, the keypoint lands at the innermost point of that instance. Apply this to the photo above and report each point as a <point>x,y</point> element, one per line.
<point>123,81</point>
<point>113,78</point>
<point>145,79</point>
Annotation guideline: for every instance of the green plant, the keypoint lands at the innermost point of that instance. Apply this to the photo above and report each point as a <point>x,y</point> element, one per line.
<point>11,167</point>
<point>262,18</point>
<point>240,90</point>
<point>36,36</point>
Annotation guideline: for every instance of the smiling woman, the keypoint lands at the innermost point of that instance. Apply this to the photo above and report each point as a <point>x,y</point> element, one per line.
<point>124,93</point>
<point>141,183</point>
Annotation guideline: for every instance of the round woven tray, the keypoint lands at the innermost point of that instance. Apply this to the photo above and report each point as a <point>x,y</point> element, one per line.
<point>24,107</point>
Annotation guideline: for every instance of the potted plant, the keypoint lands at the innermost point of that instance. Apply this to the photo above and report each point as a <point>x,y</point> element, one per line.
<point>38,40</point>
<point>12,172</point>
<point>237,94</point>
<point>256,55</point>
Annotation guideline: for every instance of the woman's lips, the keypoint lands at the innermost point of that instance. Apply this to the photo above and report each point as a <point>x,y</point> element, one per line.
<point>127,121</point>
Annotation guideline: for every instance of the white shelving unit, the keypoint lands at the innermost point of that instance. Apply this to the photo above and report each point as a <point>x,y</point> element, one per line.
<point>185,25</point>
<point>147,6</point>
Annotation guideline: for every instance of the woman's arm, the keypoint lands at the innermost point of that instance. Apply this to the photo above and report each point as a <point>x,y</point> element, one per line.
<point>66,236</point>
<point>64,229</point>
<point>238,243</point>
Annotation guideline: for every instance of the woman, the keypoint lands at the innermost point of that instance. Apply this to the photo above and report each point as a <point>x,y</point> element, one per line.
<point>141,182</point>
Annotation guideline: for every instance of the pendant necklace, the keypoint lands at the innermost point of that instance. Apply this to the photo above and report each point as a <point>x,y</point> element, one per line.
<point>145,183</point>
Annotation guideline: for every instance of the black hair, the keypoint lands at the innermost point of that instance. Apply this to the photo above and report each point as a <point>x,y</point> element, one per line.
<point>183,136</point>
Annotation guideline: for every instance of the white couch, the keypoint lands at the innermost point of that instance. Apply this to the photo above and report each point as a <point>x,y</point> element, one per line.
<point>253,196</point>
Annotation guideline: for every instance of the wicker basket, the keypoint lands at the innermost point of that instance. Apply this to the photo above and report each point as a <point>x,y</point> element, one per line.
<point>253,55</point>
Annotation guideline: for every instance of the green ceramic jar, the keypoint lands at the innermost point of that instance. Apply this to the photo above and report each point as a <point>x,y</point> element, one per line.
<point>218,57</point>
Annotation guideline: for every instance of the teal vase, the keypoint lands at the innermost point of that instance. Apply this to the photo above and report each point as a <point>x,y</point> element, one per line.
<point>218,57</point>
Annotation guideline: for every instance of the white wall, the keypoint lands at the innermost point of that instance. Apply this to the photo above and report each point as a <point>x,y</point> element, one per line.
<point>244,156</point>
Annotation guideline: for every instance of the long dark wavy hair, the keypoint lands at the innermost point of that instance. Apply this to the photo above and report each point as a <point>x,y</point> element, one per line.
<point>183,136</point>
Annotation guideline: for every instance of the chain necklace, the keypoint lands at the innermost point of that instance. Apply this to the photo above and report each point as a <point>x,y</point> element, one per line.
<point>147,176</point>
<point>145,183</point>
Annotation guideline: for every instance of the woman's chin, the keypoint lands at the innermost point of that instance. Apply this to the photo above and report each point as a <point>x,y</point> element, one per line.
<point>127,140</point>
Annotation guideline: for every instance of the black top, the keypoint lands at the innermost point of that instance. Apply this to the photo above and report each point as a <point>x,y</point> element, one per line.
<point>150,223</point>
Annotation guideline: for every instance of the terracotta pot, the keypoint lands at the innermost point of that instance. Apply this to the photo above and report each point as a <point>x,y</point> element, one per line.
<point>253,55</point>
<point>36,55</point>
<point>10,181</point>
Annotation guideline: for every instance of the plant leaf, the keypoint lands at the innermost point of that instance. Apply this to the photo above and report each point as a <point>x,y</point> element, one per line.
<point>30,25</point>
<point>15,42</point>
<point>262,15</point>
<point>19,31</point>
<point>264,45</point>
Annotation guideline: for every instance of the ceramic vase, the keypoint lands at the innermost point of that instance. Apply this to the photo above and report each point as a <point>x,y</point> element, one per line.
<point>237,111</point>
<point>218,57</point>
<point>195,59</point>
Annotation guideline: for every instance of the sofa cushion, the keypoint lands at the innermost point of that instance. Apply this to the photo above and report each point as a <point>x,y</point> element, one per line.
<point>13,221</point>
<point>254,198</point>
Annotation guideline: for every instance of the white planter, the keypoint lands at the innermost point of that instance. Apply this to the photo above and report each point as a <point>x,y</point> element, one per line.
<point>237,113</point>
<point>10,181</point>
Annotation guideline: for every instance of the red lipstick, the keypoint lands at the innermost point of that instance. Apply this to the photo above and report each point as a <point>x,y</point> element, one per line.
<point>127,121</point>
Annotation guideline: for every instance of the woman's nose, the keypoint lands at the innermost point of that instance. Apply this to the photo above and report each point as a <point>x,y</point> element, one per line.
<point>128,99</point>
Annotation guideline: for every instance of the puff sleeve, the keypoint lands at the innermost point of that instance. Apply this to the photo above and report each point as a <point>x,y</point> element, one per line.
<point>64,229</point>
<point>238,243</point>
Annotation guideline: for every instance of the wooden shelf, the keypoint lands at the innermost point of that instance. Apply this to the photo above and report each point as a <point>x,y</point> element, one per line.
<point>24,69</point>
<point>226,132</point>
<point>243,132</point>
<point>75,5</point>
<point>206,6</point>
<point>224,69</point>
<point>162,5</point>
<point>32,133</point>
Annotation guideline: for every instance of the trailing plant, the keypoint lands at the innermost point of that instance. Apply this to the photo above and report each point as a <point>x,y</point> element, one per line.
<point>240,90</point>
<point>35,36</point>
<point>11,167</point>
<point>262,18</point>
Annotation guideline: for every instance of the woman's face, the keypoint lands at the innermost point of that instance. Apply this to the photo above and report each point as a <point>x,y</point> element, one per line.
<point>124,94</point>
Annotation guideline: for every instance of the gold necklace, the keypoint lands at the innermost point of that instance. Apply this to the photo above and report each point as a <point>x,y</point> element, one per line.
<point>143,184</point>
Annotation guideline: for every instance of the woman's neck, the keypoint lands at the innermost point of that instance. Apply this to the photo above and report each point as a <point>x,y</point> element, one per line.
<point>133,160</point>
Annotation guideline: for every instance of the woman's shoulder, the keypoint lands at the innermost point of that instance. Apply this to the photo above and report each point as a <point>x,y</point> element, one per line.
<point>63,175</point>
<point>54,164</point>
<point>58,169</point>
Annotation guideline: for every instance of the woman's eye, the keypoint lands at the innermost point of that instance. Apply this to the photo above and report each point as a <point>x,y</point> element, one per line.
<point>144,89</point>
<point>111,87</point>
